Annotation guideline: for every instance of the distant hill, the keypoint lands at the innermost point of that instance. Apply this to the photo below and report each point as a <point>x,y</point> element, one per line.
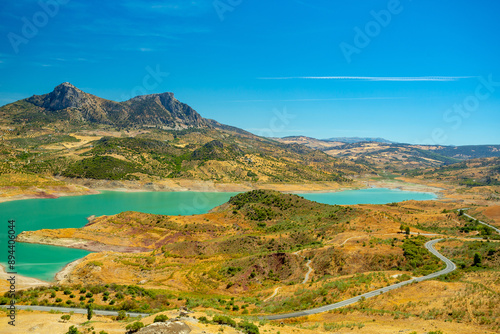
<point>396,156</point>
<point>471,173</point>
<point>351,140</point>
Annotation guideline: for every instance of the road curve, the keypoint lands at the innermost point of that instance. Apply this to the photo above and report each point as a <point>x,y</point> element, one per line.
<point>450,266</point>
<point>75,310</point>
<point>493,227</point>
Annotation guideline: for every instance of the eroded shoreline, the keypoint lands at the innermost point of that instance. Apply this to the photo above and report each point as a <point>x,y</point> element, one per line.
<point>22,282</point>
<point>95,187</point>
<point>201,186</point>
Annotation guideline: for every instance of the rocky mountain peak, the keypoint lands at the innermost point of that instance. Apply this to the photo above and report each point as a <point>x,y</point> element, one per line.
<point>166,95</point>
<point>66,84</point>
<point>153,110</point>
<point>63,96</point>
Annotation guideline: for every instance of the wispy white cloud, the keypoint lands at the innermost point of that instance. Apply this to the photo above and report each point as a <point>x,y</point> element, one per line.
<point>330,99</point>
<point>360,78</point>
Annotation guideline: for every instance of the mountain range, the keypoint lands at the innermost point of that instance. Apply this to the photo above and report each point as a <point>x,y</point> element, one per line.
<point>72,133</point>
<point>68,103</point>
<point>351,140</point>
<point>382,154</point>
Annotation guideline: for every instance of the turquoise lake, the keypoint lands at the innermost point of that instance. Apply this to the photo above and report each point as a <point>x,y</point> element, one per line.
<point>43,262</point>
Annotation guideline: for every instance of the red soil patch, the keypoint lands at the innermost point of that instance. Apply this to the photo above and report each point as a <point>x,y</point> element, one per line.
<point>43,194</point>
<point>493,212</point>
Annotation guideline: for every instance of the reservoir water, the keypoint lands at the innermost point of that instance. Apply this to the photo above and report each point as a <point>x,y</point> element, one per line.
<point>43,262</point>
<point>368,196</point>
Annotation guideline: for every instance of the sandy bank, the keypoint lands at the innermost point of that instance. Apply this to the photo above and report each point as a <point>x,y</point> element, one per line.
<point>63,275</point>
<point>37,237</point>
<point>170,185</point>
<point>29,194</point>
<point>22,282</point>
<point>205,186</point>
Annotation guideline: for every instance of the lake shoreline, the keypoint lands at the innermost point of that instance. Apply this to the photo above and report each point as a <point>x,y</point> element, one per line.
<point>64,274</point>
<point>313,189</point>
<point>96,187</point>
<point>22,282</point>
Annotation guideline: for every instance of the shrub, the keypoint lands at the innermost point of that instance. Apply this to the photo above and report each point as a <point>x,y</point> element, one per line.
<point>248,327</point>
<point>72,330</point>
<point>121,315</point>
<point>203,320</point>
<point>224,320</point>
<point>132,328</point>
<point>161,318</point>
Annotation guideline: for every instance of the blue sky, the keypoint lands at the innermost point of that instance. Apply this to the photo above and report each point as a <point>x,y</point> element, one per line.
<point>416,71</point>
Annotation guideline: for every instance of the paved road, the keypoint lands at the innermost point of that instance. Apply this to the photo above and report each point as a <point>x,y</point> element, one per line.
<point>493,227</point>
<point>450,266</point>
<point>75,310</point>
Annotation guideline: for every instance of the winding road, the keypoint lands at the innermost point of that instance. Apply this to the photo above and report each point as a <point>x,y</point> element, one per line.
<point>493,227</point>
<point>450,266</point>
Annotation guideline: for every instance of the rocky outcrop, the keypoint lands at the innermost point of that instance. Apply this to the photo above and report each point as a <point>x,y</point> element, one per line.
<point>63,96</point>
<point>171,327</point>
<point>163,110</point>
